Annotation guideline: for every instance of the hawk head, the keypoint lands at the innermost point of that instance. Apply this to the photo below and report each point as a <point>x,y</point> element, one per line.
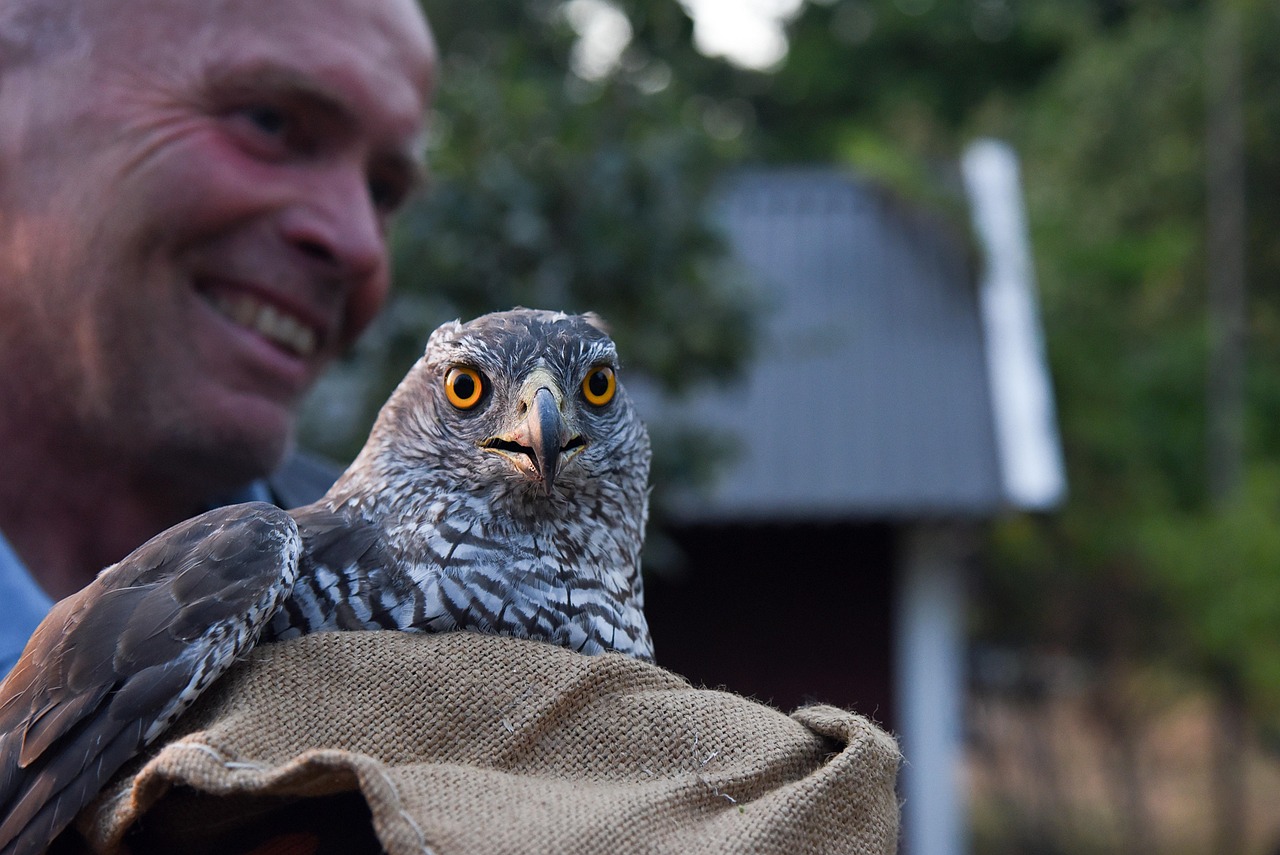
<point>524,406</point>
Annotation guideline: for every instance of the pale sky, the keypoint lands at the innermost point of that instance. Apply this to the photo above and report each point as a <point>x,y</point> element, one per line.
<point>748,33</point>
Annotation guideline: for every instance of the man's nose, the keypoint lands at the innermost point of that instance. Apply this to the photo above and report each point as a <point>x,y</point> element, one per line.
<point>336,223</point>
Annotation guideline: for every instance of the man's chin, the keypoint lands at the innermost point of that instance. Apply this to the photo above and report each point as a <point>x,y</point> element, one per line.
<point>215,460</point>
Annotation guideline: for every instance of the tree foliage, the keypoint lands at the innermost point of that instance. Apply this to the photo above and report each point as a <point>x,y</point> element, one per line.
<point>564,190</point>
<point>1114,142</point>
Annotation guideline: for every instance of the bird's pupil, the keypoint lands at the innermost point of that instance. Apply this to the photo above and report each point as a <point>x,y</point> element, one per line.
<point>464,386</point>
<point>599,383</point>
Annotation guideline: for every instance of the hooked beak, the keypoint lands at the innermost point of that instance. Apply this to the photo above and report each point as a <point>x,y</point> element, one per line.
<point>541,441</point>
<point>545,428</point>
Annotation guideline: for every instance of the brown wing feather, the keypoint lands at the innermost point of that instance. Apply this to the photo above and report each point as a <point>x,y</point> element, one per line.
<point>114,664</point>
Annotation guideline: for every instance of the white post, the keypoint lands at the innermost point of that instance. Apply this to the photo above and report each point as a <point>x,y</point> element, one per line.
<point>931,689</point>
<point>1026,424</point>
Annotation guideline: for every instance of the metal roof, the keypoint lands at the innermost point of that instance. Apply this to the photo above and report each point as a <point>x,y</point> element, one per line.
<point>869,395</point>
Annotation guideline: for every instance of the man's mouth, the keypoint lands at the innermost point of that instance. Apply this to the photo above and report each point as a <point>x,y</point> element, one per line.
<point>276,325</point>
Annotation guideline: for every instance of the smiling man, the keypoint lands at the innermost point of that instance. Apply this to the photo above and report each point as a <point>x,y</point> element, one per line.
<point>194,198</point>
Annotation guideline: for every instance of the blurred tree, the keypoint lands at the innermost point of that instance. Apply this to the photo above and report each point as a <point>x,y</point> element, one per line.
<point>1157,535</point>
<point>570,169</point>
<point>1118,201</point>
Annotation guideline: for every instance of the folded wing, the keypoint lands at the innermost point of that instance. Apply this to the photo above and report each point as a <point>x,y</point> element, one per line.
<point>113,665</point>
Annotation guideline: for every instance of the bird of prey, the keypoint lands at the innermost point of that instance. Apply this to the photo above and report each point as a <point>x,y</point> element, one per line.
<point>503,489</point>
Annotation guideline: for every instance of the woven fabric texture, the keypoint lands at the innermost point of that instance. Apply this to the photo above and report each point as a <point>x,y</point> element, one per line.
<point>463,743</point>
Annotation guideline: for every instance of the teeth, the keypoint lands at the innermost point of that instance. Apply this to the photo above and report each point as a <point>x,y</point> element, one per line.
<point>269,322</point>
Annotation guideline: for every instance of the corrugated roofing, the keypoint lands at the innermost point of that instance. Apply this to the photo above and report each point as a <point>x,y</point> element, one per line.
<point>869,396</point>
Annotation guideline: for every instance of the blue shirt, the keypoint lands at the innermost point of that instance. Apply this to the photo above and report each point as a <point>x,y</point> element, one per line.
<point>23,603</point>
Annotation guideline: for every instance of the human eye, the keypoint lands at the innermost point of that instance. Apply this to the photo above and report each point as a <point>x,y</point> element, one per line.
<point>390,187</point>
<point>266,119</point>
<point>387,196</point>
<point>266,130</point>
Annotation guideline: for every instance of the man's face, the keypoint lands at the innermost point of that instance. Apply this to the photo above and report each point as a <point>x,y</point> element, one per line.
<point>194,203</point>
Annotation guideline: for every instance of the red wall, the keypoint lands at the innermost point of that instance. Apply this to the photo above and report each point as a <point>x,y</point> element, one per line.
<point>787,614</point>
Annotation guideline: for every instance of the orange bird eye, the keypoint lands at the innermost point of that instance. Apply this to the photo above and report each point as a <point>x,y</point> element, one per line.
<point>599,385</point>
<point>463,386</point>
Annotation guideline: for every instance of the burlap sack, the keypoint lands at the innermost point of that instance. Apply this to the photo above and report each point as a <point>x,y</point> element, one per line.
<point>461,743</point>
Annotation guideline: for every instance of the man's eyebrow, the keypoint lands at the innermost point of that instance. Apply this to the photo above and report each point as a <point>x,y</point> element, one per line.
<point>280,81</point>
